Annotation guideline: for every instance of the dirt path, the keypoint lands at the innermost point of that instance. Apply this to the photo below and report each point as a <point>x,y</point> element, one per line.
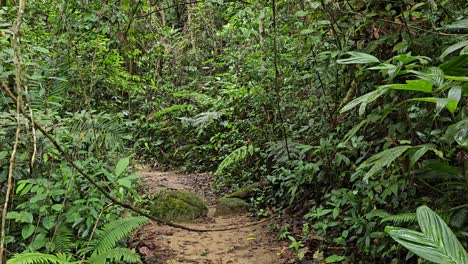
<point>162,244</point>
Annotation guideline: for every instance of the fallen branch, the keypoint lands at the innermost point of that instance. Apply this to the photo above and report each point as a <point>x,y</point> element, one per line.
<point>128,206</point>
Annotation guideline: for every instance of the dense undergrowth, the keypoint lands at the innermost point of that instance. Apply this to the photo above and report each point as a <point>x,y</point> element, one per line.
<point>350,113</point>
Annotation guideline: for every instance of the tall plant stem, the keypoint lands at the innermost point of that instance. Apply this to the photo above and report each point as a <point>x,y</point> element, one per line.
<point>276,80</point>
<point>16,60</point>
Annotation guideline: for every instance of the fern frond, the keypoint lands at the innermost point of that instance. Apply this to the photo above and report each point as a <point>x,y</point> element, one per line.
<point>116,255</point>
<point>199,98</point>
<point>64,239</point>
<point>40,258</point>
<point>236,156</point>
<point>201,121</point>
<point>401,218</point>
<point>114,232</point>
<point>278,151</point>
<point>171,109</point>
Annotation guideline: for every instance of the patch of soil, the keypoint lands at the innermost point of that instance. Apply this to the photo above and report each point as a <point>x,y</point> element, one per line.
<point>162,244</point>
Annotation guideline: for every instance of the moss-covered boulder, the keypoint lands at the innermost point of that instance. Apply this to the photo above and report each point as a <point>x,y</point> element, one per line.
<point>230,206</point>
<point>245,192</point>
<point>178,206</point>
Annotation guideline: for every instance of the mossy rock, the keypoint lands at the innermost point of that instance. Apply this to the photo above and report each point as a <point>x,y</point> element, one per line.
<point>178,206</point>
<point>245,192</point>
<point>230,206</point>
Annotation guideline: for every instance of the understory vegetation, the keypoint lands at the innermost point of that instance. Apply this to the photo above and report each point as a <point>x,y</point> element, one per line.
<point>346,115</point>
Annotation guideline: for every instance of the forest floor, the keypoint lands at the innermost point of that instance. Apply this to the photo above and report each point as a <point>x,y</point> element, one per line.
<point>163,244</point>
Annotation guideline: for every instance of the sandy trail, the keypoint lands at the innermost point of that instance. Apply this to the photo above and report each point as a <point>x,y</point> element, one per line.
<point>162,244</point>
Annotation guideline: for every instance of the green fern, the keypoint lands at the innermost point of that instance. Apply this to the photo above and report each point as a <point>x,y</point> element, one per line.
<point>100,129</point>
<point>40,258</point>
<point>202,121</point>
<point>171,109</point>
<point>116,255</point>
<point>196,97</point>
<point>279,151</point>
<point>115,231</point>
<point>236,156</point>
<point>102,246</point>
<point>401,218</point>
<point>63,240</point>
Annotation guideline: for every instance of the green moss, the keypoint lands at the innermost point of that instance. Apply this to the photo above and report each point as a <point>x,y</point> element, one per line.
<point>178,206</point>
<point>229,206</point>
<point>245,192</point>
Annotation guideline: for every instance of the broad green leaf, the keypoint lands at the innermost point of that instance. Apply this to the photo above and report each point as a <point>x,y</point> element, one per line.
<point>355,129</point>
<point>48,222</point>
<point>423,149</point>
<point>39,242</point>
<point>382,160</point>
<point>334,259</point>
<point>411,85</point>
<point>435,243</point>
<point>383,66</point>
<point>455,78</point>
<point>125,182</point>
<point>21,217</point>
<point>41,49</point>
<point>301,13</point>
<point>454,96</point>
<point>57,207</point>
<point>27,231</point>
<point>451,102</point>
<point>419,244</point>
<point>455,66</point>
<point>453,48</point>
<point>38,197</point>
<point>460,24</point>
<point>459,133</point>
<point>21,184</point>
<point>365,99</point>
<point>437,230</point>
<point>358,58</point>
<point>121,166</point>
<point>315,5</point>
<point>319,212</point>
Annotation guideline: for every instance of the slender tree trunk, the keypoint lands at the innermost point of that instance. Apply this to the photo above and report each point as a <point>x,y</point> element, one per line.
<point>10,183</point>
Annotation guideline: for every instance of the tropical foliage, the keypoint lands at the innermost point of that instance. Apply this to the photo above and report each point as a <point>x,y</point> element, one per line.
<point>350,113</point>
